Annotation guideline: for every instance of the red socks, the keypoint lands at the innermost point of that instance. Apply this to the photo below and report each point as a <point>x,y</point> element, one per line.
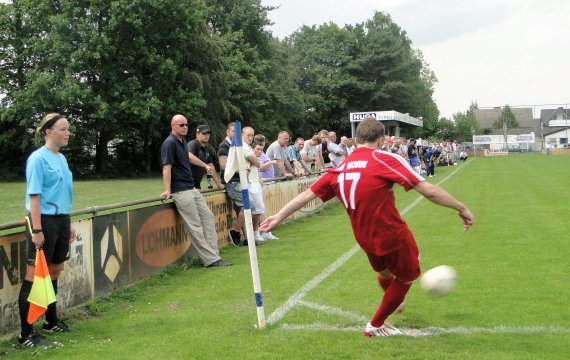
<point>395,292</point>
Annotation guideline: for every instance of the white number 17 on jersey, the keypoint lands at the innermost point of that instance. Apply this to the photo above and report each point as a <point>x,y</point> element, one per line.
<point>353,178</point>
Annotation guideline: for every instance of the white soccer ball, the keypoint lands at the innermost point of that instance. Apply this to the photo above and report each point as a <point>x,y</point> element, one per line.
<point>439,281</point>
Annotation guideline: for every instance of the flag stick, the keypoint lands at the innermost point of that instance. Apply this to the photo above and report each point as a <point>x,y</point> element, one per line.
<point>237,142</point>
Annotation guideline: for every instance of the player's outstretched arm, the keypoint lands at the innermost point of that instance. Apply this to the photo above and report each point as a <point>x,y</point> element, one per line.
<point>298,202</point>
<point>441,197</point>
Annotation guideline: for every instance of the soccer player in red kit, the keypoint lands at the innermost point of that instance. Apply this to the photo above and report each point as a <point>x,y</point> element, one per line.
<point>363,182</point>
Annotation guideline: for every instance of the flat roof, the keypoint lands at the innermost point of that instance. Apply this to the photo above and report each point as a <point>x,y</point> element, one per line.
<point>391,115</point>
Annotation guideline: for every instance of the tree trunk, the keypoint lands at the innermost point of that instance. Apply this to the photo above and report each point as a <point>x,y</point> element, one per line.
<point>505,131</point>
<point>146,154</point>
<point>102,153</point>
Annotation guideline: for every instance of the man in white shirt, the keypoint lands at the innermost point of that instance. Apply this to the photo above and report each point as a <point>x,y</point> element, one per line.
<point>335,150</point>
<point>311,154</point>
<point>349,146</point>
<point>276,151</point>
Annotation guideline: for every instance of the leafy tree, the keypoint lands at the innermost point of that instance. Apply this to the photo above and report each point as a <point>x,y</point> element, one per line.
<point>117,69</point>
<point>120,70</point>
<point>507,116</point>
<point>388,72</point>
<point>445,130</point>
<point>466,125</point>
<point>23,48</point>
<point>370,66</point>
<point>472,107</point>
<point>427,108</point>
<point>239,27</point>
<point>285,108</point>
<point>157,69</point>
<point>247,17</point>
<point>321,54</point>
<point>505,121</point>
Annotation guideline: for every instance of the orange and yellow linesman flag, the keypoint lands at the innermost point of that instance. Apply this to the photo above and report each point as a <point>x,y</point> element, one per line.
<point>42,293</point>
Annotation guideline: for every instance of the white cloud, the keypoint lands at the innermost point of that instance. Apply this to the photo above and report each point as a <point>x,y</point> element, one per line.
<point>494,52</point>
<point>428,22</point>
<point>519,62</point>
<point>292,14</point>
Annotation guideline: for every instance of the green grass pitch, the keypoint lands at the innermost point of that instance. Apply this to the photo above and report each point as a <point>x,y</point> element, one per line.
<point>511,301</point>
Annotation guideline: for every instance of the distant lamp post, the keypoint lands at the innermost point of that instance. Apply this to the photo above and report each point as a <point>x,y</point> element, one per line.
<point>505,131</point>
<point>566,124</point>
<point>542,133</point>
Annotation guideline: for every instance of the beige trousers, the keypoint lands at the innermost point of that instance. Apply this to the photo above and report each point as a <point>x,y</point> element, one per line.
<point>199,222</point>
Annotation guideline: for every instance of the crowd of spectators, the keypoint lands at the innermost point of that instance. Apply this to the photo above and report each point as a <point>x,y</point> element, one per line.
<point>282,159</point>
<point>287,159</point>
<point>424,157</point>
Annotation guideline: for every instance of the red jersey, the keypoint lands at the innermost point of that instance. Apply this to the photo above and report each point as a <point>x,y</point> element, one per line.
<point>363,182</point>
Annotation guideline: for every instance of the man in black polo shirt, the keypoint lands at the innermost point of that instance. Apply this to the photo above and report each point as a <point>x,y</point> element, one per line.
<point>179,184</point>
<point>201,149</point>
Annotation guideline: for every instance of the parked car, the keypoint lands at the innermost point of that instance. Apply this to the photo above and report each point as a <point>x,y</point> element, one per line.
<point>516,148</point>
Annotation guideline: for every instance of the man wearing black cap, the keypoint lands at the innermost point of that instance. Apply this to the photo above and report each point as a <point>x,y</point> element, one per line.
<point>203,151</point>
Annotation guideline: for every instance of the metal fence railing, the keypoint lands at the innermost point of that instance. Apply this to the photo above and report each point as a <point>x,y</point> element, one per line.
<point>94,210</point>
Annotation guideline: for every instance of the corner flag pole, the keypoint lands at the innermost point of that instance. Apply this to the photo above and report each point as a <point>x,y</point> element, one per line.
<point>237,142</point>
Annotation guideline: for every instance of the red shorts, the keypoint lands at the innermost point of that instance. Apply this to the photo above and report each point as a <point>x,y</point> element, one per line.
<point>404,263</point>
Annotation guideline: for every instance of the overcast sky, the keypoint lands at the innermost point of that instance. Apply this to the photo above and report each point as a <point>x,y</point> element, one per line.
<point>494,52</point>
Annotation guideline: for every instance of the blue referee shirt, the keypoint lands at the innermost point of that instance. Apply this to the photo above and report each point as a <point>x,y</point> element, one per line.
<point>48,175</point>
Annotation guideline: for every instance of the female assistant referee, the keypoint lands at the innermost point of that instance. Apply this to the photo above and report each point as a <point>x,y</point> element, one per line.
<point>48,224</point>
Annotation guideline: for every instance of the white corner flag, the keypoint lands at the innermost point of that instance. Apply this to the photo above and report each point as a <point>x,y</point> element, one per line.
<point>236,162</point>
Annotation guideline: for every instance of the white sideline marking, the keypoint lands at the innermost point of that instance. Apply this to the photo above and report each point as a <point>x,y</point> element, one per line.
<point>333,310</point>
<point>294,299</point>
<point>314,282</point>
<point>432,330</point>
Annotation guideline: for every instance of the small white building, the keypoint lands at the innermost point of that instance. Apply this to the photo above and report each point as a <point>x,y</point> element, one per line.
<point>554,126</point>
<point>520,142</point>
<point>558,138</point>
<point>392,120</point>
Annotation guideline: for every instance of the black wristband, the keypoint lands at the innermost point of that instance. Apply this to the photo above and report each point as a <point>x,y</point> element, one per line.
<point>35,231</point>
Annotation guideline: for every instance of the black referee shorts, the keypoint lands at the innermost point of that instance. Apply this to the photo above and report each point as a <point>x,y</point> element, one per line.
<point>56,230</point>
